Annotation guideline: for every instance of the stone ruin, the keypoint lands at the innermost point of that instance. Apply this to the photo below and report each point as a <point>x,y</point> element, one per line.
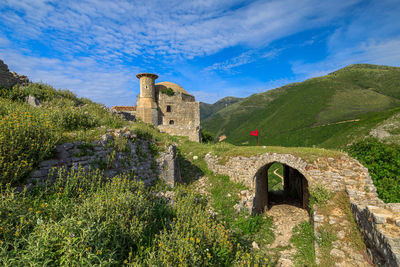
<point>9,78</point>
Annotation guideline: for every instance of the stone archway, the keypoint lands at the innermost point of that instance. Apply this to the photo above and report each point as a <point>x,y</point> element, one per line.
<point>295,186</point>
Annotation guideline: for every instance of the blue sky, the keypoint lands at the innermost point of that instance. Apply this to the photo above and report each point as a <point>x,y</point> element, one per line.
<point>212,48</point>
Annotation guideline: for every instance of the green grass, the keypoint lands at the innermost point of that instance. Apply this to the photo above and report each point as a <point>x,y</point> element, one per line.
<point>303,240</point>
<point>288,116</point>
<point>275,183</point>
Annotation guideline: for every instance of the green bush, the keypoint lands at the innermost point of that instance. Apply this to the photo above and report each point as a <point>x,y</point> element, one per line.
<point>73,118</point>
<point>79,220</point>
<point>83,219</point>
<point>383,163</point>
<point>26,138</point>
<point>194,238</point>
<point>168,91</point>
<point>206,137</point>
<point>41,91</point>
<point>319,195</point>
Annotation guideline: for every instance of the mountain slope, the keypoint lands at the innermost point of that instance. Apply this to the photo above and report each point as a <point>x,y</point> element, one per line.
<point>206,110</point>
<point>328,111</point>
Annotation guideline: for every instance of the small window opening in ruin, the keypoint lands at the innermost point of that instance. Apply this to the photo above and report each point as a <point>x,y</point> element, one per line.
<point>171,122</point>
<point>168,108</point>
<point>280,184</point>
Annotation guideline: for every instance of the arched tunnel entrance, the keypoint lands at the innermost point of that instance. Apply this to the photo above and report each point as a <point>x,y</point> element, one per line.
<point>278,183</point>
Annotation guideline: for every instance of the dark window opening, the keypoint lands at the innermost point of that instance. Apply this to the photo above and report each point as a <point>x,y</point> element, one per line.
<point>168,108</point>
<point>171,122</point>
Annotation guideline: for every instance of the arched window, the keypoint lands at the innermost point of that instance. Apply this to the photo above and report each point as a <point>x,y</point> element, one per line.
<point>171,122</point>
<point>168,108</point>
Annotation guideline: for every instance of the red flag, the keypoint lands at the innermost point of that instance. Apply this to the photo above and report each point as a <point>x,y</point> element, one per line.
<point>254,133</point>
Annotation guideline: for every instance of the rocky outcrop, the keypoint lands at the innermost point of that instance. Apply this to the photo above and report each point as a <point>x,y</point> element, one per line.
<point>116,152</point>
<point>8,78</point>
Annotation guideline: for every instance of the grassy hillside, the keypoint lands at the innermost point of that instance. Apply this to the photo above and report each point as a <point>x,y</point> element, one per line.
<point>329,111</point>
<point>207,110</point>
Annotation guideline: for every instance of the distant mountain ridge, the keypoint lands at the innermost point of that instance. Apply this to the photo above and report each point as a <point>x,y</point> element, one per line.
<point>207,110</point>
<point>329,111</point>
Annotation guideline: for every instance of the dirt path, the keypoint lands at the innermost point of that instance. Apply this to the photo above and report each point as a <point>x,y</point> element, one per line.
<point>285,218</point>
<point>277,174</point>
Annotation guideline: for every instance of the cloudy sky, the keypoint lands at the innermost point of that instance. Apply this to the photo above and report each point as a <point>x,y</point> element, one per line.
<point>212,48</point>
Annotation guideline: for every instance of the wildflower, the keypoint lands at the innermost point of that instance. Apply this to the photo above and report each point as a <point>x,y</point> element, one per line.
<point>99,252</point>
<point>160,244</point>
<point>72,235</point>
<point>125,261</point>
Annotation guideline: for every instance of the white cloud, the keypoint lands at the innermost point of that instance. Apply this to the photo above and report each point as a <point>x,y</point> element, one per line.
<point>84,76</point>
<point>244,58</point>
<point>177,28</point>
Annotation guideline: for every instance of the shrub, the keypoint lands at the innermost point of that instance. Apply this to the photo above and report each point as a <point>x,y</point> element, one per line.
<point>206,137</point>
<point>83,219</point>
<point>193,238</point>
<point>26,138</point>
<point>73,118</point>
<point>319,195</point>
<point>383,163</point>
<point>168,91</point>
<point>79,220</point>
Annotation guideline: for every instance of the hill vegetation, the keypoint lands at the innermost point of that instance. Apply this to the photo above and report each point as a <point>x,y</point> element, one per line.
<point>330,111</point>
<point>84,219</point>
<point>206,110</point>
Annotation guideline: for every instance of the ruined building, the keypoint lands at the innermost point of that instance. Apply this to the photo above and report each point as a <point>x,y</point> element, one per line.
<point>168,106</point>
<point>9,78</point>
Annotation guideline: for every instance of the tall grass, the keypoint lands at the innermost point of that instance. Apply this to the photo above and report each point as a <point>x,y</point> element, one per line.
<point>83,219</point>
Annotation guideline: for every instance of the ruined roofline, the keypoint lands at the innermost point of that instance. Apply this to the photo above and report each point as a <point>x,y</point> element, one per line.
<point>151,75</point>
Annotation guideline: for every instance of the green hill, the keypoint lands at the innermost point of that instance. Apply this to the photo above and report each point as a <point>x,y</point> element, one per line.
<point>329,111</point>
<point>206,110</point>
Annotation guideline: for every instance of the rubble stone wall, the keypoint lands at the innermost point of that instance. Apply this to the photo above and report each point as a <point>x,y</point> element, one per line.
<point>137,157</point>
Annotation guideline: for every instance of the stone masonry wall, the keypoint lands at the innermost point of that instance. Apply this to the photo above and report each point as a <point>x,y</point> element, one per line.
<point>135,157</point>
<point>8,78</point>
<point>184,112</point>
<point>378,222</point>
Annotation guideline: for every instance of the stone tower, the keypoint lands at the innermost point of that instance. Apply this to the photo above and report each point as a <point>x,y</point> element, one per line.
<point>146,107</point>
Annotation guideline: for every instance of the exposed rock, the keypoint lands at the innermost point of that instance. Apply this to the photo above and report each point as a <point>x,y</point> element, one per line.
<point>33,101</point>
<point>255,245</point>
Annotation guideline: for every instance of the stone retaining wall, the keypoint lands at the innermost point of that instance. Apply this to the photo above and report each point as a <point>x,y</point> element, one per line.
<point>137,156</point>
<point>378,222</point>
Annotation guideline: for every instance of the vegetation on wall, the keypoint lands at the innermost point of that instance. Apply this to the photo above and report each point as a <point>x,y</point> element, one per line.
<point>168,91</point>
<point>383,163</point>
